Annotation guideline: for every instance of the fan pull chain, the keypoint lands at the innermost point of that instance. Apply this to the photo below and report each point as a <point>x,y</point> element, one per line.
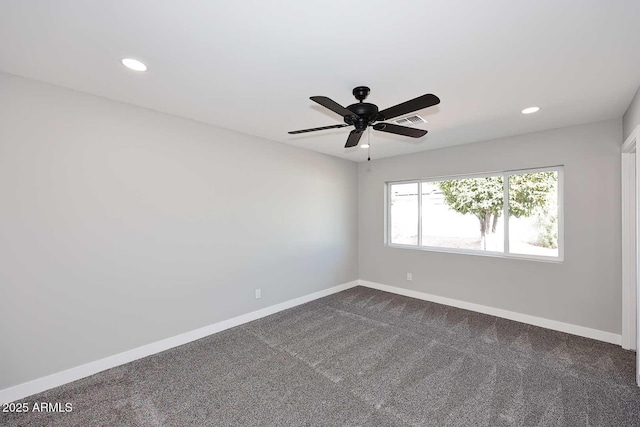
<point>369,144</point>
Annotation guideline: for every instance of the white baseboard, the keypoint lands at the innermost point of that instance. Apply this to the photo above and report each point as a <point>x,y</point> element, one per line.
<point>498,312</point>
<point>39,385</point>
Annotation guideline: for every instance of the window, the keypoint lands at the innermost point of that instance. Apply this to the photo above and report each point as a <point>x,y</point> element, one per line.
<point>514,214</point>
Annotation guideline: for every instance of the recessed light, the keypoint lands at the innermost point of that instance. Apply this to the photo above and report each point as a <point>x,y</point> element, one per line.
<point>134,64</point>
<point>364,146</point>
<point>530,110</point>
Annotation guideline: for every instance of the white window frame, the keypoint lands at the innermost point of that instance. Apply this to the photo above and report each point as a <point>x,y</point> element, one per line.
<point>505,174</point>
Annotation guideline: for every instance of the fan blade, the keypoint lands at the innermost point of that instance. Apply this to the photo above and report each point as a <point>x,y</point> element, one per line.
<point>399,130</point>
<point>354,138</point>
<point>315,129</point>
<point>333,106</point>
<point>416,104</point>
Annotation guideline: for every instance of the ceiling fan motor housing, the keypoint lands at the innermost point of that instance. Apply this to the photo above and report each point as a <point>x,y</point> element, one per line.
<point>364,111</point>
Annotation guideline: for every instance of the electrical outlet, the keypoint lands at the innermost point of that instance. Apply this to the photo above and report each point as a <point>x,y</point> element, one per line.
<point>409,276</point>
<point>258,293</point>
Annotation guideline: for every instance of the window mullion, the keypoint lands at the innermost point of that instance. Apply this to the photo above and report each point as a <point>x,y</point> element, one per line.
<point>419,213</point>
<point>505,221</point>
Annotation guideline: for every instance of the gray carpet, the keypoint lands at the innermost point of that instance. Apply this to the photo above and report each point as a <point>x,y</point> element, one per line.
<point>362,358</point>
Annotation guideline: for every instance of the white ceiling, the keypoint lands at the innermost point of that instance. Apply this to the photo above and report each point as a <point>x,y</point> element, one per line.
<point>252,65</point>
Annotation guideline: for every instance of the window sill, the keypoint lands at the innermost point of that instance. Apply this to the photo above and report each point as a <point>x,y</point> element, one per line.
<point>522,257</point>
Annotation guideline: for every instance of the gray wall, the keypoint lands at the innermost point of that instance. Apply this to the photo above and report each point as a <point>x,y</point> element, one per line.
<point>583,290</point>
<point>121,226</point>
<point>631,117</point>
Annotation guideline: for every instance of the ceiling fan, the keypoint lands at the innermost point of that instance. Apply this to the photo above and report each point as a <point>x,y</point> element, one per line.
<point>362,114</point>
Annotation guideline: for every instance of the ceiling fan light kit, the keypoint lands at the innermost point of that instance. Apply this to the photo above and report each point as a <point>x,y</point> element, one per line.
<point>363,114</point>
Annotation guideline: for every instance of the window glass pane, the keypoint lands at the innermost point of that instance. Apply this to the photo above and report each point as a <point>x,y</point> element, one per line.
<point>404,214</point>
<point>464,214</point>
<point>533,213</point>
